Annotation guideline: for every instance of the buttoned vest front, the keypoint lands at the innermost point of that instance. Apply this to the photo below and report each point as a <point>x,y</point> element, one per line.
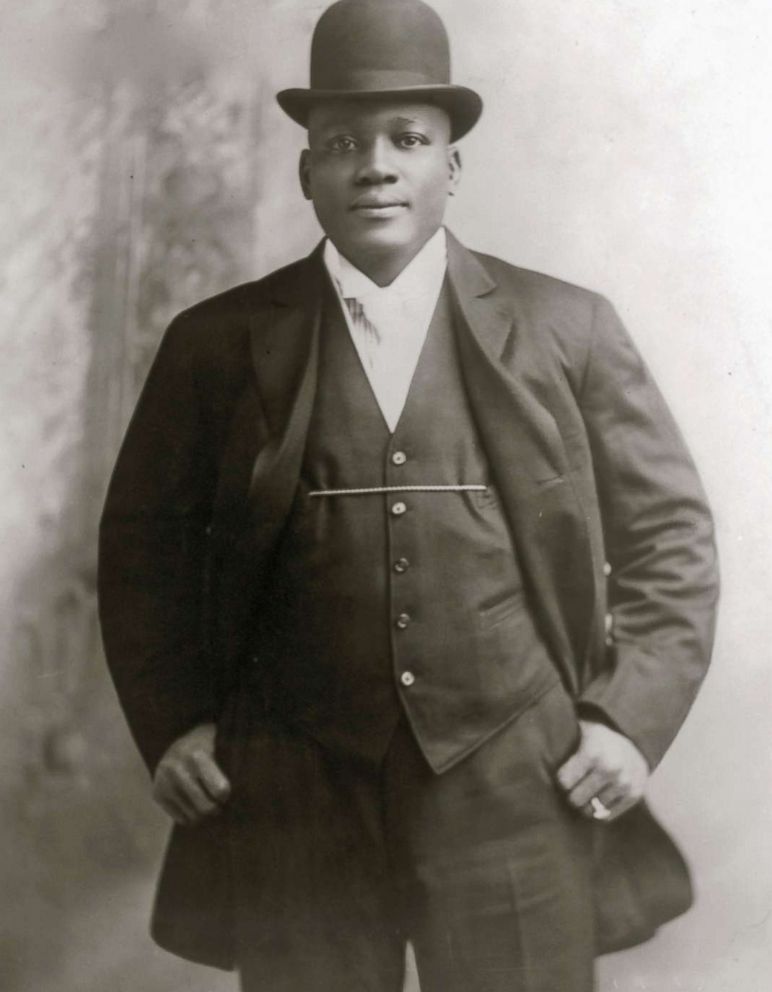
<point>396,585</point>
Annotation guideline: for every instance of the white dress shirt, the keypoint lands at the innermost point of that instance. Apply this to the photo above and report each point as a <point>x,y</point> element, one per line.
<point>390,325</point>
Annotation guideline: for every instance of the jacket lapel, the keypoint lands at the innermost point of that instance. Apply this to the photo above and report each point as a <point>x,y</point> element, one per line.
<point>527,455</point>
<point>285,361</point>
<point>490,320</point>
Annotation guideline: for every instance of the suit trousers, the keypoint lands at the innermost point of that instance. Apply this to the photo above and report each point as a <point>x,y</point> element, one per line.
<point>485,868</point>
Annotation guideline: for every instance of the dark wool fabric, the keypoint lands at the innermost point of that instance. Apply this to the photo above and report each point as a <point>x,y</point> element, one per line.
<point>485,869</point>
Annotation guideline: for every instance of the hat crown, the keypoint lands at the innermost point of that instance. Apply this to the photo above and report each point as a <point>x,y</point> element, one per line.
<point>396,42</point>
<point>383,49</point>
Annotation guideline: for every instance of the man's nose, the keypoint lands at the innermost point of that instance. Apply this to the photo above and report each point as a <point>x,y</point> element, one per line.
<point>376,164</point>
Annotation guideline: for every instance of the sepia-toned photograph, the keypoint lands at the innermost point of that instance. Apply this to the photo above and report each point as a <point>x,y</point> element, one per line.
<point>386,472</point>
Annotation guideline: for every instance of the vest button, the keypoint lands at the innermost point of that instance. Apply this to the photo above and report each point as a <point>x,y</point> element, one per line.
<point>407,678</point>
<point>403,621</point>
<point>398,509</point>
<point>401,565</point>
<point>399,458</point>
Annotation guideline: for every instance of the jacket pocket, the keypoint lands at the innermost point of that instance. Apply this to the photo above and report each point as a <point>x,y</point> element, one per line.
<point>555,728</point>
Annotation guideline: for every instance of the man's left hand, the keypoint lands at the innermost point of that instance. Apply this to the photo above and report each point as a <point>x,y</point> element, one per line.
<point>606,767</point>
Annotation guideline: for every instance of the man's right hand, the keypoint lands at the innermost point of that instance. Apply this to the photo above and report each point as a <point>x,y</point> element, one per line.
<point>188,784</point>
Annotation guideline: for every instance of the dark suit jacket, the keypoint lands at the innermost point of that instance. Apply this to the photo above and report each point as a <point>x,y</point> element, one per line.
<point>604,503</point>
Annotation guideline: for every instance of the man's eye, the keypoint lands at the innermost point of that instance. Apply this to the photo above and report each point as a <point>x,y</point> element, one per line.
<point>410,140</point>
<point>343,143</point>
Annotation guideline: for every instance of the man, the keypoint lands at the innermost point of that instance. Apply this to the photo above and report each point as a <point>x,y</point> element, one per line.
<point>407,581</point>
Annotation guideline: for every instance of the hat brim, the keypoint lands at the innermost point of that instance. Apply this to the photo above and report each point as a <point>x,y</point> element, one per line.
<point>461,104</point>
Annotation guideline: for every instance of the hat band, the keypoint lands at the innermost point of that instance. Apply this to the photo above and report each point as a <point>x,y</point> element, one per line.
<point>374,79</point>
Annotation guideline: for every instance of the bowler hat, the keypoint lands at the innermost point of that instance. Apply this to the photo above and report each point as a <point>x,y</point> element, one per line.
<point>380,49</point>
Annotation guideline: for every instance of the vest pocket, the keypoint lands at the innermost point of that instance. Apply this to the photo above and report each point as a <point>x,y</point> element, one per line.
<point>492,614</point>
<point>483,499</point>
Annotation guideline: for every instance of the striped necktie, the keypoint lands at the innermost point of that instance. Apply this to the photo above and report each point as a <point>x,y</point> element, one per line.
<point>366,331</point>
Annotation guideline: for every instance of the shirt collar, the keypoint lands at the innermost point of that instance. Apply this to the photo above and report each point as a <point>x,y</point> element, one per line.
<point>421,276</point>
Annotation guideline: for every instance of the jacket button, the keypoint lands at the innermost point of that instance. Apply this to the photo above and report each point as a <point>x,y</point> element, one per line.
<point>399,458</point>
<point>403,620</point>
<point>607,569</point>
<point>407,678</point>
<point>401,565</point>
<point>398,509</point>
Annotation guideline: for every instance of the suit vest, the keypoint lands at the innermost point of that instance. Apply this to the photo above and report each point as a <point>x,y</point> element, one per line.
<point>396,585</point>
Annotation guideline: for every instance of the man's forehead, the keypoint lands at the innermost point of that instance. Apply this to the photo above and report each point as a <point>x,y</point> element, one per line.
<point>376,113</point>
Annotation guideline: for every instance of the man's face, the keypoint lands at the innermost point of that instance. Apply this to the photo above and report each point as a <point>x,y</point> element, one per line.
<point>379,175</point>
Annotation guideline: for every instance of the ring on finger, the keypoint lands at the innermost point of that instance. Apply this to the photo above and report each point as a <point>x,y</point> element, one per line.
<point>599,810</point>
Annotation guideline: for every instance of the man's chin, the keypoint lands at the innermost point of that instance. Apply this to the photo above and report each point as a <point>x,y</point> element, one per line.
<point>382,239</point>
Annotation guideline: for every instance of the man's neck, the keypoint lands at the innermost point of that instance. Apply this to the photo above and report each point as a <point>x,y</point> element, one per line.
<point>383,268</point>
<point>382,271</point>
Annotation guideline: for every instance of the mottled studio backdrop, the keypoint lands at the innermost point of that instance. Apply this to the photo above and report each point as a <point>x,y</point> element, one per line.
<point>143,165</point>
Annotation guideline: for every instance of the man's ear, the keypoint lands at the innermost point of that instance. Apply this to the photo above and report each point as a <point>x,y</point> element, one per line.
<point>304,172</point>
<point>454,164</point>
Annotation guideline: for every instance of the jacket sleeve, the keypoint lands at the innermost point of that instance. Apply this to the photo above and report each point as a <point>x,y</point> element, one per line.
<point>658,532</point>
<point>152,556</point>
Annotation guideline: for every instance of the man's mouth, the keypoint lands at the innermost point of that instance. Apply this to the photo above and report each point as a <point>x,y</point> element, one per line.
<point>378,206</point>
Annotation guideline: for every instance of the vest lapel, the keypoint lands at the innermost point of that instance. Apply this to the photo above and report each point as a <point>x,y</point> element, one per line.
<point>528,457</point>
